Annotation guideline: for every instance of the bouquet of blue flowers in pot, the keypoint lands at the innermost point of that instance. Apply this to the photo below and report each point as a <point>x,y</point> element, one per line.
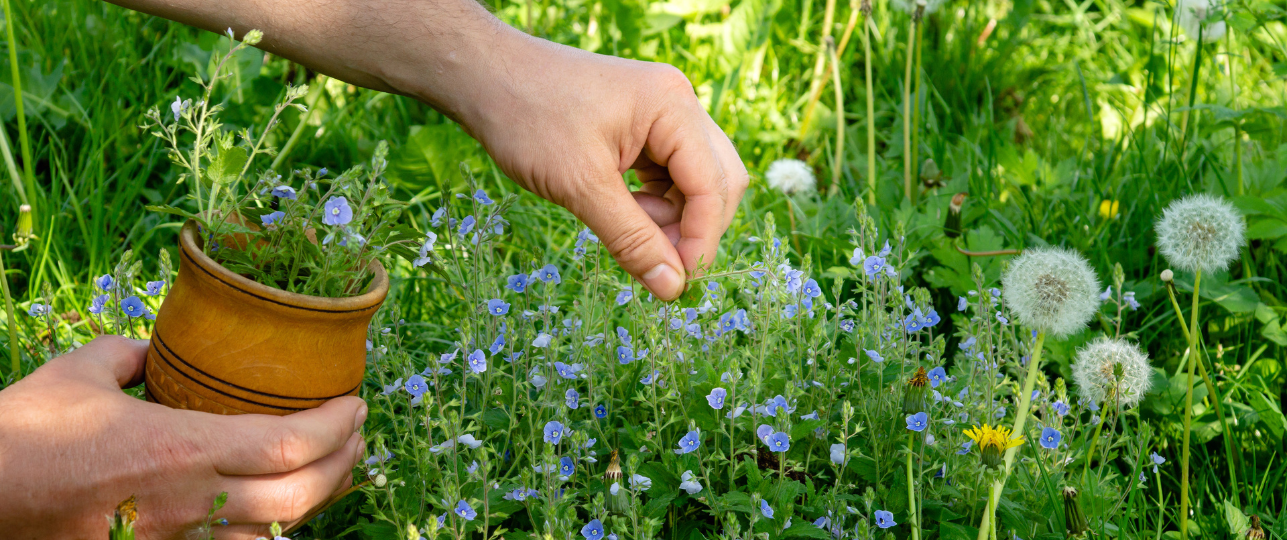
<point>278,275</point>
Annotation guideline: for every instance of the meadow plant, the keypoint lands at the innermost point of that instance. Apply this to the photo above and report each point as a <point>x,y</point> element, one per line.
<point>305,233</point>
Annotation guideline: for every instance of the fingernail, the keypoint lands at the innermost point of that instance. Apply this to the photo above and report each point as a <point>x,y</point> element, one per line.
<point>360,418</point>
<point>361,451</point>
<point>663,281</point>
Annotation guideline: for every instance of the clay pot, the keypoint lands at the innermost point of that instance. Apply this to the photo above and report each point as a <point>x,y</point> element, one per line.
<point>228,345</point>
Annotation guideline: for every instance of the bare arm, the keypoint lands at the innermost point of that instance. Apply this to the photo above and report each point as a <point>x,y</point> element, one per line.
<point>563,123</point>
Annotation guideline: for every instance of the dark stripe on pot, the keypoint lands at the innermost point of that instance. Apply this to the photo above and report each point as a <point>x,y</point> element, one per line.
<point>156,337</point>
<point>185,254</point>
<point>213,389</point>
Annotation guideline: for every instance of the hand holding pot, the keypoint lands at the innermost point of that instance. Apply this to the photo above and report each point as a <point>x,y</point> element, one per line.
<point>72,446</point>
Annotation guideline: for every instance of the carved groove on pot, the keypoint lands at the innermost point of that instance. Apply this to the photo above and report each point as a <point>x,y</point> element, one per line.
<point>228,345</point>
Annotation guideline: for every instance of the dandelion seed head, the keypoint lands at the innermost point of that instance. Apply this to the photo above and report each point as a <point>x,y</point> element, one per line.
<point>1052,289</point>
<point>1191,14</point>
<point>1200,232</point>
<point>1093,372</point>
<point>790,176</point>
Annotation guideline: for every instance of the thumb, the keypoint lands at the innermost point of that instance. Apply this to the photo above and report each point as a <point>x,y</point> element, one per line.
<point>633,238</point>
<point>110,360</point>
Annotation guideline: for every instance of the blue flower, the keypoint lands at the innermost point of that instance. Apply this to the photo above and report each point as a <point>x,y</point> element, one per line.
<point>585,236</point>
<point>497,345</point>
<point>937,376</point>
<point>962,303</point>
<point>873,355</point>
<point>1060,408</point>
<point>779,442</point>
<point>416,385</point>
<point>464,510</point>
<point>477,361</point>
<point>572,398</point>
<point>873,265</point>
<point>104,281</point>
<point>649,378</point>
<point>965,448</point>
<point>284,192</point>
<point>337,211</point>
<point>1050,438</point>
<point>564,370</point>
<point>765,509</point>
<point>272,218</point>
<point>593,530</point>
<point>466,225</point>
<point>716,398</point>
<point>790,310</point>
<point>100,302</point>
<point>623,335</point>
<point>497,307</point>
<point>481,197</point>
<point>41,310</point>
<point>918,421</point>
<point>438,214</point>
<point>838,453</point>
<point>625,355</point>
<point>542,340</point>
<point>154,287</point>
<point>1001,319</point>
<point>774,405</point>
<point>932,318</point>
<point>516,283</point>
<point>967,344</point>
<point>600,411</point>
<point>624,296</point>
<point>566,466</point>
<point>689,442</point>
<point>764,432</point>
<point>884,519</point>
<point>847,325</point>
<point>1130,300</point>
<point>553,432</point>
<point>132,306</point>
<point>549,274</point>
<point>811,289</point>
<point>1157,460</point>
<point>857,258</point>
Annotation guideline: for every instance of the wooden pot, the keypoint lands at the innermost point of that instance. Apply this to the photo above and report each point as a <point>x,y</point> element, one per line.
<point>228,345</point>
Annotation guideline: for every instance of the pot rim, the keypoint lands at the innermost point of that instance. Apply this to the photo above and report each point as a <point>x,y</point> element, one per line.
<point>374,295</point>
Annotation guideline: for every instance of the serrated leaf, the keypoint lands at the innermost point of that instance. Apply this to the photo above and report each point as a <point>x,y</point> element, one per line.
<point>1235,519</point>
<point>226,167</point>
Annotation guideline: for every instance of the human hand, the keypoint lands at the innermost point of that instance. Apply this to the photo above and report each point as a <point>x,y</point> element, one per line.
<point>566,124</point>
<point>73,446</point>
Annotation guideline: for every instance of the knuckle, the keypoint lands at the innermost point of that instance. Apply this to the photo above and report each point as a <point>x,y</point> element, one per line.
<point>671,79</point>
<point>632,245</point>
<point>291,502</point>
<point>286,449</point>
<point>110,345</point>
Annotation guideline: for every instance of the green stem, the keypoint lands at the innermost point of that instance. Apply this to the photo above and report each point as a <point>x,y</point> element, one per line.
<point>1188,411</point>
<point>1021,419</point>
<point>871,106</point>
<point>1094,440</point>
<point>840,120</point>
<point>28,163</point>
<point>907,113</point>
<point>1215,400</point>
<point>911,488</point>
<point>1193,94</point>
<point>916,114</point>
<point>14,357</point>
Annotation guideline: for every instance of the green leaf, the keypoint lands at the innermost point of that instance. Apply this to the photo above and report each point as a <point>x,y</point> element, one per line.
<point>805,529</point>
<point>226,167</point>
<point>1237,521</point>
<point>955,531</point>
<point>167,209</point>
<point>1270,414</point>
<point>1267,229</point>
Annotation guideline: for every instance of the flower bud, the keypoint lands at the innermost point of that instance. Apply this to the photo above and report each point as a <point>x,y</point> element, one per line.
<point>23,232</point>
<point>1168,275</point>
<point>914,395</point>
<point>381,480</point>
<point>1077,524</point>
<point>1255,532</point>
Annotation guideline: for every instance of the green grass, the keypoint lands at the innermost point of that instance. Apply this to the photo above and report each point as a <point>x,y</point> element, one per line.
<point>1062,106</point>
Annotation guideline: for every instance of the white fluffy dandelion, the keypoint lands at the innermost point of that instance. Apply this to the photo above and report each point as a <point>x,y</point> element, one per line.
<point>790,176</point>
<point>1094,371</point>
<point>1200,232</point>
<point>1051,289</point>
<point>909,6</point>
<point>1192,14</point>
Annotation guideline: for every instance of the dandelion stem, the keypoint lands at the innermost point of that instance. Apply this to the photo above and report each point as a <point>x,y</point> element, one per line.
<point>1215,398</point>
<point>911,488</point>
<point>1193,94</point>
<point>1188,408</point>
<point>28,163</point>
<point>916,105</point>
<point>1021,418</point>
<point>1094,440</point>
<point>840,119</point>
<point>15,359</point>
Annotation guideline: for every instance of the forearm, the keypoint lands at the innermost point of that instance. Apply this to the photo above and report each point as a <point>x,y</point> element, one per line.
<point>441,52</point>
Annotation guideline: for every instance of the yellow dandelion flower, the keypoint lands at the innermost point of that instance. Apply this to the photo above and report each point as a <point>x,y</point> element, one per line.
<point>1108,209</point>
<point>993,442</point>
